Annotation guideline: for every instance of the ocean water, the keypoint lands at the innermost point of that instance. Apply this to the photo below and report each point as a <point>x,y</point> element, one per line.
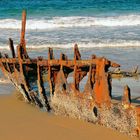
<point>61,23</point>
<point>109,28</point>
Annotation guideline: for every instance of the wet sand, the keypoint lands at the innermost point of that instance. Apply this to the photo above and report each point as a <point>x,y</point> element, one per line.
<point>21,121</point>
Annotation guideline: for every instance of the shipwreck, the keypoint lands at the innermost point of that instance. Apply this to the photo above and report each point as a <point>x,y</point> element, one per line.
<point>33,76</point>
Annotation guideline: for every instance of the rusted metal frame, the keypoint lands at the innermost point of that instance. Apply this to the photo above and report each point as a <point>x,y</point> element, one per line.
<point>41,88</point>
<point>24,92</point>
<point>16,73</point>
<point>9,73</point>
<point>75,76</point>
<point>31,96</point>
<point>77,56</point>
<point>109,78</point>
<point>23,29</point>
<point>56,62</point>
<point>62,74</point>
<point>35,99</point>
<point>101,88</point>
<point>22,79</point>
<point>78,73</point>
<point>0,55</point>
<point>61,62</point>
<point>71,63</point>
<point>91,76</point>
<point>6,69</point>
<point>66,70</point>
<point>50,73</point>
<point>61,77</point>
<point>1,63</point>
<point>11,45</point>
<point>22,37</point>
<point>126,98</point>
<point>3,66</point>
<point>7,65</point>
<point>9,60</point>
<point>46,62</point>
<point>15,60</point>
<point>62,57</point>
<point>88,89</point>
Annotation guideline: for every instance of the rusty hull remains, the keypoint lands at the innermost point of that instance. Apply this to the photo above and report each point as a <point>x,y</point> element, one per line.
<point>44,82</point>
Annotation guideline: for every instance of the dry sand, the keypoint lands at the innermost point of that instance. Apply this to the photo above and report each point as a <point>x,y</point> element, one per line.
<point>21,121</point>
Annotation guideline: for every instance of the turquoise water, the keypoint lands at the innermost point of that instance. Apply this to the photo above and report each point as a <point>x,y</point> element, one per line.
<point>37,8</point>
<point>61,23</point>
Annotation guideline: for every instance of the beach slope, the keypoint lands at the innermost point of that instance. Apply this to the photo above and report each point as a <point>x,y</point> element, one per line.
<point>21,121</point>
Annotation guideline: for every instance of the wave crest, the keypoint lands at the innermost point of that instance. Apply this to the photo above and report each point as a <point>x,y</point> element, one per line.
<point>75,21</point>
<point>117,44</point>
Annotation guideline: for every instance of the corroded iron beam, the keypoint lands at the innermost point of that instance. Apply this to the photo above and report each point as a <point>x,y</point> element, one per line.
<point>23,29</point>
<point>56,62</point>
<point>11,45</point>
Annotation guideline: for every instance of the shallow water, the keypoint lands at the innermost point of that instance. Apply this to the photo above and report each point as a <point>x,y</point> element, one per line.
<point>118,86</point>
<point>6,89</point>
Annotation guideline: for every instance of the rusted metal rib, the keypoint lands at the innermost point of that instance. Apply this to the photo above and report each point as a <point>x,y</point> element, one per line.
<point>23,29</point>
<point>11,45</point>
<point>41,88</point>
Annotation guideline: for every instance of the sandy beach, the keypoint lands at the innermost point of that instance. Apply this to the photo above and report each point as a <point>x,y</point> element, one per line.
<point>21,121</point>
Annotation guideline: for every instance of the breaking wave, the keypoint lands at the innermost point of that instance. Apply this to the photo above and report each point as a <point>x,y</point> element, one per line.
<point>73,21</point>
<point>89,45</point>
<point>119,44</point>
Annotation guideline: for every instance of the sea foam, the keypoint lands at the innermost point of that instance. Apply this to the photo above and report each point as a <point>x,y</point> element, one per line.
<point>73,21</point>
<point>117,44</point>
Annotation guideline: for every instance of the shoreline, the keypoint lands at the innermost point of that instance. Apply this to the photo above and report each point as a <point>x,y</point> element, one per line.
<point>21,121</point>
